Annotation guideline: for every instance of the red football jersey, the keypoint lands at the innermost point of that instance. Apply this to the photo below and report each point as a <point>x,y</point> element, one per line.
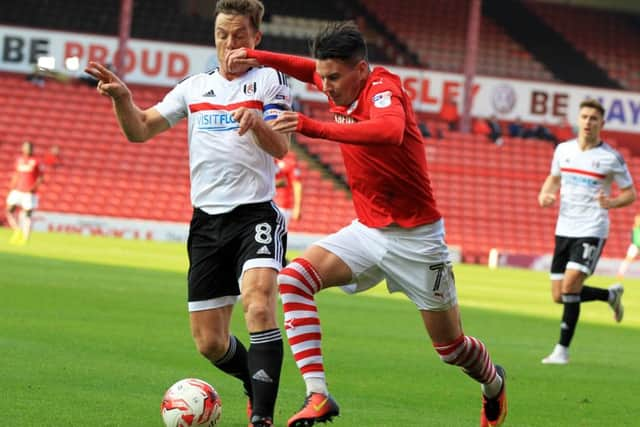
<point>287,173</point>
<point>28,170</point>
<point>389,182</point>
<point>383,149</point>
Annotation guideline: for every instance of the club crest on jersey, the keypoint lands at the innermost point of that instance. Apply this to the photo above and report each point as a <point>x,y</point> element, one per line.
<point>382,99</point>
<point>249,88</point>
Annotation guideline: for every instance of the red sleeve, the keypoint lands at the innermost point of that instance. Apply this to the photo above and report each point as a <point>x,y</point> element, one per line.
<point>386,124</point>
<point>298,67</point>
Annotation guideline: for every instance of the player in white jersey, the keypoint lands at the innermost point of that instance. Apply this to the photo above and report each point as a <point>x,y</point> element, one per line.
<point>583,170</point>
<point>237,236</point>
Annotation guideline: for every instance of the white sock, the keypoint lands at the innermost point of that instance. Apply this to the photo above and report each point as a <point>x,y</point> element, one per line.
<point>316,385</point>
<point>492,389</point>
<point>559,348</point>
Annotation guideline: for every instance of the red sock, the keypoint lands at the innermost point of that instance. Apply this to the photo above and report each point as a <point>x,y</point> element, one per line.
<point>299,282</point>
<point>471,355</point>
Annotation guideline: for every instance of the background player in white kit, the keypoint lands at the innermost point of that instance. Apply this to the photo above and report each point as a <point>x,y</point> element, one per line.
<point>583,170</point>
<point>237,236</point>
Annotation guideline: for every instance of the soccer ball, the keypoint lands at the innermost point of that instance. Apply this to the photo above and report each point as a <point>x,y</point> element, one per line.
<point>191,403</point>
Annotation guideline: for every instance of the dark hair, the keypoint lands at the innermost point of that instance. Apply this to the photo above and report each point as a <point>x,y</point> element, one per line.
<point>341,40</point>
<point>593,103</point>
<point>254,9</point>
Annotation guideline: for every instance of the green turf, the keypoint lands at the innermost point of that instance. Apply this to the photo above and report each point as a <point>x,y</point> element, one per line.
<point>93,331</point>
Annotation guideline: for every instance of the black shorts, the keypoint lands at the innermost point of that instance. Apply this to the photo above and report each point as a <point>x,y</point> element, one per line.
<point>576,253</point>
<point>221,247</point>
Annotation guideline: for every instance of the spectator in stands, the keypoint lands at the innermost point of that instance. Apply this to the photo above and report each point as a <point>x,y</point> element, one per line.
<point>288,187</point>
<point>237,237</point>
<point>495,133</point>
<point>488,127</point>
<point>424,129</point>
<point>516,129</point>
<point>51,160</point>
<point>399,233</point>
<point>449,113</point>
<point>541,131</point>
<point>582,170</point>
<point>26,179</point>
<point>632,250</point>
<point>36,77</point>
<point>480,126</point>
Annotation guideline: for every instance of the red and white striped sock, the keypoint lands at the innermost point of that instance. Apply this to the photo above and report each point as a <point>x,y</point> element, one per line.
<point>471,355</point>
<point>298,283</point>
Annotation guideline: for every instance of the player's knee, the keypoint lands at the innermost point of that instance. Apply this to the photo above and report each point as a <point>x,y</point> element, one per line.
<point>212,347</point>
<point>259,313</point>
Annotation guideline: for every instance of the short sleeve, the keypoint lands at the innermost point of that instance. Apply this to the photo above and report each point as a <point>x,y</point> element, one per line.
<point>385,99</point>
<point>555,162</point>
<point>276,96</point>
<point>174,107</point>
<point>621,174</point>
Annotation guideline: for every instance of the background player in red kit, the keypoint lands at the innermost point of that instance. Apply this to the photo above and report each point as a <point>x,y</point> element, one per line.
<point>288,187</point>
<point>24,183</point>
<point>399,233</point>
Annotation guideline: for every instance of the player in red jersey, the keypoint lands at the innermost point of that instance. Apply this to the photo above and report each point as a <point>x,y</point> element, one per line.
<point>24,183</point>
<point>288,187</point>
<point>398,234</point>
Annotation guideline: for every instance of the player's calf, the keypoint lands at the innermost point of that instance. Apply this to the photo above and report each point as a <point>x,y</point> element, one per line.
<point>471,355</point>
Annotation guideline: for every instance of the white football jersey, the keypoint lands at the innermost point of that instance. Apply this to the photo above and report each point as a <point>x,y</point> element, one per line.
<point>583,174</point>
<point>227,170</point>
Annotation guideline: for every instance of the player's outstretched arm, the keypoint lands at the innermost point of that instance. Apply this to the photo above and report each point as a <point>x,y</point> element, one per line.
<point>137,125</point>
<point>550,187</point>
<point>301,68</point>
<point>378,130</point>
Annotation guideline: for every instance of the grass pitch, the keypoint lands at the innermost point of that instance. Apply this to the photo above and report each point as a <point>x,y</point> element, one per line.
<point>93,330</point>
